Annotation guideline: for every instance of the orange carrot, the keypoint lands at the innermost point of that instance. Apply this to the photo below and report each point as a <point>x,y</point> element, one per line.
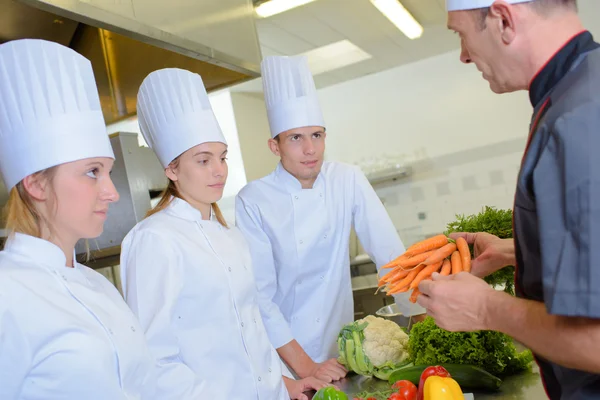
<point>409,278</point>
<point>446,268</point>
<point>415,294</point>
<point>388,275</point>
<point>440,254</point>
<point>400,271</point>
<point>456,263</point>
<point>396,291</point>
<point>395,261</point>
<point>465,254</point>
<point>401,277</point>
<point>416,260</point>
<point>425,273</point>
<point>395,275</point>
<point>431,243</point>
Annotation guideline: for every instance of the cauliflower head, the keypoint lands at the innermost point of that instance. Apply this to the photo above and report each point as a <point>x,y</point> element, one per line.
<point>385,342</point>
<point>373,346</point>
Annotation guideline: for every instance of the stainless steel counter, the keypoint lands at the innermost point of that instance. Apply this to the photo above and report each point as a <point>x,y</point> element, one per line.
<point>526,386</point>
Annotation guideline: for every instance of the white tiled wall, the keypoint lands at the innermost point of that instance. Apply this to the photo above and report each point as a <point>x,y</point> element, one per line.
<point>426,203</point>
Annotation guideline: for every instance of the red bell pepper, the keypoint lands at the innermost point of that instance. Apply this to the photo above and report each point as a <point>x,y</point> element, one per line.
<point>430,371</point>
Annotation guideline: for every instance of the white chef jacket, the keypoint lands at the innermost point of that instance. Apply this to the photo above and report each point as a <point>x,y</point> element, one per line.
<point>191,284</point>
<point>299,240</point>
<point>65,333</point>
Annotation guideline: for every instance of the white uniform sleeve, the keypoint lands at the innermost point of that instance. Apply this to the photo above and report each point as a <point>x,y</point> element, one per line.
<point>15,355</point>
<point>152,280</point>
<point>265,273</point>
<point>378,235</point>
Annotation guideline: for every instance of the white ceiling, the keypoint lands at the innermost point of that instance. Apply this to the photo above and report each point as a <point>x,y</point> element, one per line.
<point>323,22</point>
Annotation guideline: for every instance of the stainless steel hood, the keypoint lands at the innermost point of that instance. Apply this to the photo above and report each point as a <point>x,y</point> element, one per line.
<point>127,39</point>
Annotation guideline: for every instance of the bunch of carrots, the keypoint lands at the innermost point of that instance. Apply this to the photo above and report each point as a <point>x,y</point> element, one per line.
<point>421,260</point>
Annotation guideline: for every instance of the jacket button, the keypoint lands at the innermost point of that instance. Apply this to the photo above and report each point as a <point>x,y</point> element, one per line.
<point>229,269</point>
<point>302,241</point>
<point>254,320</point>
<point>318,319</point>
<point>110,331</point>
<point>270,370</point>
<point>132,329</point>
<point>296,197</point>
<point>325,237</point>
<point>259,379</point>
<point>242,324</point>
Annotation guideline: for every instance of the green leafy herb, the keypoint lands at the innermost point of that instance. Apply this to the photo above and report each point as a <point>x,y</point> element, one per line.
<point>379,395</point>
<point>495,352</point>
<point>496,222</point>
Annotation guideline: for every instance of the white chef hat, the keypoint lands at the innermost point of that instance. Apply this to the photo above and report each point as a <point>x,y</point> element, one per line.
<point>290,94</point>
<point>456,5</point>
<point>175,114</point>
<point>50,111</point>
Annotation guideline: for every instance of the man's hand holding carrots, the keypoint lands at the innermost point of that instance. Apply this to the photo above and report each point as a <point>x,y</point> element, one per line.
<point>490,252</point>
<point>458,302</point>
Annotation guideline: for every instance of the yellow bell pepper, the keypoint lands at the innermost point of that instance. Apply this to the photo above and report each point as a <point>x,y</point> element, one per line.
<point>440,388</point>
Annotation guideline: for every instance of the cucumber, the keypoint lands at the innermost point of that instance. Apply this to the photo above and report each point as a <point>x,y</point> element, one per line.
<point>467,376</point>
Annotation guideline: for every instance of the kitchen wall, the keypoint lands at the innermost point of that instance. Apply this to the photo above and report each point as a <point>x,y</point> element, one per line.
<point>435,107</point>
<point>458,183</point>
<point>253,132</point>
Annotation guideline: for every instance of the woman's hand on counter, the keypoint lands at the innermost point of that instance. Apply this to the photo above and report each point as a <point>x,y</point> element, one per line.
<point>490,252</point>
<point>297,389</point>
<point>295,357</point>
<point>328,371</point>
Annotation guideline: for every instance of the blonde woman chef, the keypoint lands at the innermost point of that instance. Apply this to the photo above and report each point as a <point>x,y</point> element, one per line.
<point>186,274</point>
<point>65,331</point>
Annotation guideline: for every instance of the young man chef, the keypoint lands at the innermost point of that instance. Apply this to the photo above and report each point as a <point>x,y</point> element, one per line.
<point>297,221</point>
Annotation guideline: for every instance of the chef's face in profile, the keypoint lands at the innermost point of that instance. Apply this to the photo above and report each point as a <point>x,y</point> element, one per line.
<point>489,39</point>
<point>72,199</point>
<point>301,151</point>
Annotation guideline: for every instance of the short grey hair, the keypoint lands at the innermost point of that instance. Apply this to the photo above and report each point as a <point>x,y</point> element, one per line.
<point>540,6</point>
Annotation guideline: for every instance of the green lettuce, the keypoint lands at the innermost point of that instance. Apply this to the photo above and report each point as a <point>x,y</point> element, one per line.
<point>495,352</point>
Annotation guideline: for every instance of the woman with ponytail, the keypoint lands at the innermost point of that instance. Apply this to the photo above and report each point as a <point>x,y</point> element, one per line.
<point>65,331</point>
<point>186,274</point>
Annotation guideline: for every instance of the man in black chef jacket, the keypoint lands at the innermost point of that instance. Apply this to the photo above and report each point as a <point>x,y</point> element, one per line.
<point>539,46</point>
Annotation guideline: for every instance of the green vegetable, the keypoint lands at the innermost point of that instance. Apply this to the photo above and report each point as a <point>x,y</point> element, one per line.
<point>467,376</point>
<point>495,222</point>
<point>330,393</point>
<point>492,351</point>
<point>379,395</point>
<point>373,346</point>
